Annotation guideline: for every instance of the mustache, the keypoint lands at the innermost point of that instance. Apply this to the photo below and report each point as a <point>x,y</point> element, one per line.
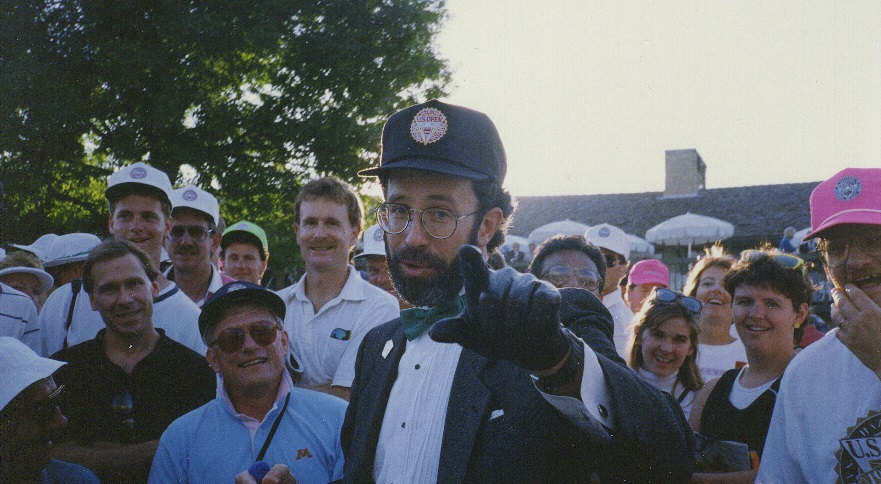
<point>416,255</point>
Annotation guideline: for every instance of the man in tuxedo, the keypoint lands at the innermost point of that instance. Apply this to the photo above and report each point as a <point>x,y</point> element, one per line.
<point>496,390</point>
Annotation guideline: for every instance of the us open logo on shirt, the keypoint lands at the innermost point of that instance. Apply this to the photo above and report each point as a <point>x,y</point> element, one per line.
<point>138,173</point>
<point>859,455</point>
<point>190,195</point>
<point>428,126</point>
<point>848,188</point>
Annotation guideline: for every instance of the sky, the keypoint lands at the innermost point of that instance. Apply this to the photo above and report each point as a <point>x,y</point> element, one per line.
<point>587,95</point>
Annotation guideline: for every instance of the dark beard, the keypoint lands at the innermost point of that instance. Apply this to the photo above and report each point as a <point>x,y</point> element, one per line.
<point>430,292</point>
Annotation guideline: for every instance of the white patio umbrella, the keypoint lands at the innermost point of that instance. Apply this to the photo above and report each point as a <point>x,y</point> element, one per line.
<point>689,229</point>
<point>564,227</point>
<point>638,244</point>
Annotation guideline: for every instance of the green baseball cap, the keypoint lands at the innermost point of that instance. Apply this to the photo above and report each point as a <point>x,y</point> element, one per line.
<point>249,228</point>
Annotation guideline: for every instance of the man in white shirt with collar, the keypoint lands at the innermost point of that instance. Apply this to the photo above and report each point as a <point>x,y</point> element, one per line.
<point>193,238</point>
<point>331,308</point>
<point>615,247</point>
<point>139,199</point>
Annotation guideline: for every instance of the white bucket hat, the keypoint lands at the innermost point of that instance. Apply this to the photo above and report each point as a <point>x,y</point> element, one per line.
<point>68,248</point>
<point>20,368</point>
<point>39,247</point>
<point>194,197</point>
<point>46,279</point>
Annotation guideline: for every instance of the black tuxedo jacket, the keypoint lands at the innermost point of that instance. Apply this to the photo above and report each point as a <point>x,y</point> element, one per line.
<point>531,441</point>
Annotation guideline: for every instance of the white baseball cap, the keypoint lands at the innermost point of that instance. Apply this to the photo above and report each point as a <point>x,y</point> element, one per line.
<point>68,248</point>
<point>20,368</point>
<point>373,242</point>
<point>194,197</point>
<point>46,279</point>
<point>138,173</point>
<point>609,237</point>
<point>39,247</point>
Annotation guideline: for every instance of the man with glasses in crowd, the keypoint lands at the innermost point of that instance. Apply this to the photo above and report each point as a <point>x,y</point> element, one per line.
<point>331,308</point>
<point>258,414</point>
<point>139,200</point>
<point>125,386</point>
<point>192,239</point>
<point>826,425</point>
<point>615,246</point>
<point>570,261</point>
<point>464,401</point>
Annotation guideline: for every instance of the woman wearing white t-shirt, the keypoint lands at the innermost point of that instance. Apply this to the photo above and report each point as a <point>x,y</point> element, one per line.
<point>718,350</point>
<point>770,300</point>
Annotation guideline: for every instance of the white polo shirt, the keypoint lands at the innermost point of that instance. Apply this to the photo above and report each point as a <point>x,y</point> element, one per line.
<point>326,343</point>
<point>18,318</point>
<point>623,318</point>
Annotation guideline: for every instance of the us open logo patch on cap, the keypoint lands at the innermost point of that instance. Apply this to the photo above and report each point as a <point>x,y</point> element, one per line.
<point>428,126</point>
<point>242,226</point>
<point>138,173</point>
<point>377,235</point>
<point>848,188</point>
<point>190,195</point>
<point>604,232</point>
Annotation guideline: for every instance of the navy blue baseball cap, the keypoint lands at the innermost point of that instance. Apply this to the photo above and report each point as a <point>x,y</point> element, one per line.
<point>234,294</point>
<point>443,138</point>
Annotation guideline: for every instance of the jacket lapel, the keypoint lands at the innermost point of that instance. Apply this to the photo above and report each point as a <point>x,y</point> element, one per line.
<point>467,406</point>
<point>383,371</point>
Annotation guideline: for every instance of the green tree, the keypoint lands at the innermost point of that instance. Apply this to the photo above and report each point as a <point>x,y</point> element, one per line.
<point>249,98</point>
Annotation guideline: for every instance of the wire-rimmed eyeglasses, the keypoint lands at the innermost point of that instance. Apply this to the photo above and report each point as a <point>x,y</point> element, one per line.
<point>439,223</point>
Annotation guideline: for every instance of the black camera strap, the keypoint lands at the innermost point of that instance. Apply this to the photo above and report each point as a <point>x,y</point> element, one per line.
<point>274,428</point>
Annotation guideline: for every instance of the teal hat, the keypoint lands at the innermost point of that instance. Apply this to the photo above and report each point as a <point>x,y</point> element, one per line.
<point>248,228</point>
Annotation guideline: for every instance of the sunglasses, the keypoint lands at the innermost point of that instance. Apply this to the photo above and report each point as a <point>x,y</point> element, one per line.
<point>613,260</point>
<point>788,261</point>
<point>559,275</point>
<point>668,296</point>
<point>231,340</point>
<point>194,231</point>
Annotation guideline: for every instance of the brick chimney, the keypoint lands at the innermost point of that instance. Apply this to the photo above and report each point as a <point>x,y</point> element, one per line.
<point>686,173</point>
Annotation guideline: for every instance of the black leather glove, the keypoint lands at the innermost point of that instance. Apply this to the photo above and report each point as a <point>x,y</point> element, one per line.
<point>508,315</point>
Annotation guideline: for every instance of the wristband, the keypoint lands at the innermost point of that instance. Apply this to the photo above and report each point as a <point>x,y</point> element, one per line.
<point>570,370</point>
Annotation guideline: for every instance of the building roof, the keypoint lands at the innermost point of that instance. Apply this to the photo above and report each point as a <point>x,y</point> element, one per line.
<point>759,213</point>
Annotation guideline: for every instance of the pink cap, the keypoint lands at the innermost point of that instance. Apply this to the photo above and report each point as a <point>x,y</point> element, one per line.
<point>852,196</point>
<point>649,271</point>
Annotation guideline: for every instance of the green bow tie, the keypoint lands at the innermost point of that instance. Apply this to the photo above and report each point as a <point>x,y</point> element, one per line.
<point>416,320</point>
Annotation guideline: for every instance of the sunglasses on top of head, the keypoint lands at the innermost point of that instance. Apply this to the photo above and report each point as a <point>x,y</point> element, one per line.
<point>667,295</point>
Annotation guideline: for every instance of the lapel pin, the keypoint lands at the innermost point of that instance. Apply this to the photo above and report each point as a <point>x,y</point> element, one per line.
<point>388,348</point>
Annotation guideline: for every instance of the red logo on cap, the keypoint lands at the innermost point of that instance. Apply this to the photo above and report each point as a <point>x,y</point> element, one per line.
<point>428,126</point>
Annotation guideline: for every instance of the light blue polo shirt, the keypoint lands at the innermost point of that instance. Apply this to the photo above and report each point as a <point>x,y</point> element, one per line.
<point>211,444</point>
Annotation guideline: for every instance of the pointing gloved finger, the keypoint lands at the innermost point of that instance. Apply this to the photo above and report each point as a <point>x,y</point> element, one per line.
<point>475,273</point>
